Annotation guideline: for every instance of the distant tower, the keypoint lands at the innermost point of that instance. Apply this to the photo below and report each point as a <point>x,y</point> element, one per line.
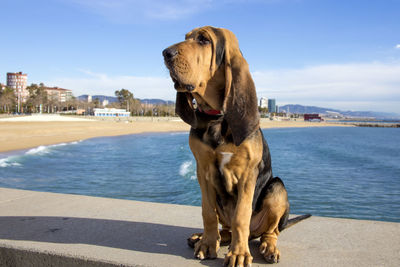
<point>263,102</point>
<point>271,105</point>
<point>18,81</point>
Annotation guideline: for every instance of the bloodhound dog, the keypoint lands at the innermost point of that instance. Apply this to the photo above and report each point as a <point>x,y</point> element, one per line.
<point>217,97</point>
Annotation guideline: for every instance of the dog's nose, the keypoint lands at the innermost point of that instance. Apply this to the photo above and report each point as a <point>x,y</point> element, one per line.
<point>189,87</point>
<point>169,53</point>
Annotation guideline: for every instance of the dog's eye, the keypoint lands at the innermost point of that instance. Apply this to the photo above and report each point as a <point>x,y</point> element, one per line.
<point>203,40</point>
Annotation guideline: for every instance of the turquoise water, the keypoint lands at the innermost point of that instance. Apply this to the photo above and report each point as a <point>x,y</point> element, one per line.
<point>329,171</point>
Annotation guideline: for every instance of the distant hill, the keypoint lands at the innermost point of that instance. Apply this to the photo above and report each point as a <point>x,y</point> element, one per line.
<point>112,99</point>
<point>332,112</point>
<point>292,108</point>
<point>299,109</point>
<point>155,101</point>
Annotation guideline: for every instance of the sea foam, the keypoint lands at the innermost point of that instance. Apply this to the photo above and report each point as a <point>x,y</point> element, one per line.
<point>42,150</point>
<point>8,162</point>
<point>15,160</point>
<point>187,170</point>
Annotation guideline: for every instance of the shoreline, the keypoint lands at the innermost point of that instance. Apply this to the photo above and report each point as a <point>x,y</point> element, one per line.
<point>24,134</point>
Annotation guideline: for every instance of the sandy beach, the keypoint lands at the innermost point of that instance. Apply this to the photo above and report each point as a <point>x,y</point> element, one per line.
<point>33,131</point>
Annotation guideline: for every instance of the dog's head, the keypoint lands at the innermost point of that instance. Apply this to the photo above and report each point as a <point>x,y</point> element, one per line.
<point>209,67</point>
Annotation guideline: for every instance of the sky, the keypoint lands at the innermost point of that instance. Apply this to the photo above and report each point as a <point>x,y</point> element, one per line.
<point>342,54</point>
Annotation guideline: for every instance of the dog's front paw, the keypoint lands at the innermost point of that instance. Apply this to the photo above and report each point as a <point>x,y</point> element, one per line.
<point>238,258</point>
<point>270,253</point>
<point>206,248</point>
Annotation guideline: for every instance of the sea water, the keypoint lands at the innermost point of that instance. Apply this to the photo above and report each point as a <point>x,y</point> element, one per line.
<point>345,172</point>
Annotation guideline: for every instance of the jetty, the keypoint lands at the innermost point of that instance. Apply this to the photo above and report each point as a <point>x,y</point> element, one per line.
<point>367,124</point>
<point>49,229</point>
<point>376,124</point>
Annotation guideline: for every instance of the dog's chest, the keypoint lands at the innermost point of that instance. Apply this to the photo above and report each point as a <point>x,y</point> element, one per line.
<point>225,159</point>
<point>222,163</point>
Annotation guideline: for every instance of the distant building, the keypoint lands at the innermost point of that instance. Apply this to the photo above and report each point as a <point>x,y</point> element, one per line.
<point>105,102</point>
<point>18,82</point>
<point>59,94</point>
<point>312,117</point>
<point>272,106</point>
<point>85,98</point>
<point>263,102</point>
<point>110,112</point>
<point>80,111</point>
<point>288,110</point>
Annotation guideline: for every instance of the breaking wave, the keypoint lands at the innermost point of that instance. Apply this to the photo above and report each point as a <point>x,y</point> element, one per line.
<point>8,162</point>
<point>16,160</point>
<point>187,170</point>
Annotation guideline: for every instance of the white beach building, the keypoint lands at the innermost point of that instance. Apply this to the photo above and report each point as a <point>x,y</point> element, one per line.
<point>110,112</point>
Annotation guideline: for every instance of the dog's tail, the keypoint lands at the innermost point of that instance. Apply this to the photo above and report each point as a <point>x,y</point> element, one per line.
<point>286,223</point>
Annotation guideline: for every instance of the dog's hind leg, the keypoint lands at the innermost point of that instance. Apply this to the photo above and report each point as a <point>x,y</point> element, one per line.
<point>267,222</point>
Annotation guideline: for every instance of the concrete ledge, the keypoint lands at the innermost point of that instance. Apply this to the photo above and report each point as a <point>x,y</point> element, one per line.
<point>46,229</point>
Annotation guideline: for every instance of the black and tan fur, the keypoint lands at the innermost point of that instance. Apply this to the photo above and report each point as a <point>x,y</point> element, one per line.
<point>233,160</point>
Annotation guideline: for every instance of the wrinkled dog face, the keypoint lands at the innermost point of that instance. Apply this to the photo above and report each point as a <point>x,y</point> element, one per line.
<point>190,61</point>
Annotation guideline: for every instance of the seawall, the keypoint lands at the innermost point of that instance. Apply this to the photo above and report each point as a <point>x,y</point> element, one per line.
<point>381,125</point>
<point>48,229</point>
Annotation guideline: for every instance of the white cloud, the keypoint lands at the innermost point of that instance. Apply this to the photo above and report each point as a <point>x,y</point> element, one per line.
<point>397,46</point>
<point>103,84</point>
<point>369,86</point>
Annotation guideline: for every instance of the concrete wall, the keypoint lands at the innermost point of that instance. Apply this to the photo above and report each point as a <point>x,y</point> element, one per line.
<point>47,229</point>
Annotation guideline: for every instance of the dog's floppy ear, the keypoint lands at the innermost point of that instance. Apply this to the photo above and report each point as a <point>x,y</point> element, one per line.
<point>240,103</point>
<point>184,108</point>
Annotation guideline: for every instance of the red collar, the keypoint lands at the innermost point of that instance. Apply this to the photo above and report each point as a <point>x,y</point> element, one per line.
<point>212,112</point>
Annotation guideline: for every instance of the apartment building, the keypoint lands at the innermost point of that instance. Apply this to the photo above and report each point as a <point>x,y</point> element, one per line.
<point>58,94</point>
<point>272,106</point>
<point>18,81</point>
<point>263,102</point>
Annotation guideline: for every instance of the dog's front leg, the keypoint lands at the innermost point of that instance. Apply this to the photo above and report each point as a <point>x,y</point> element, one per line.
<point>239,252</point>
<point>208,245</point>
